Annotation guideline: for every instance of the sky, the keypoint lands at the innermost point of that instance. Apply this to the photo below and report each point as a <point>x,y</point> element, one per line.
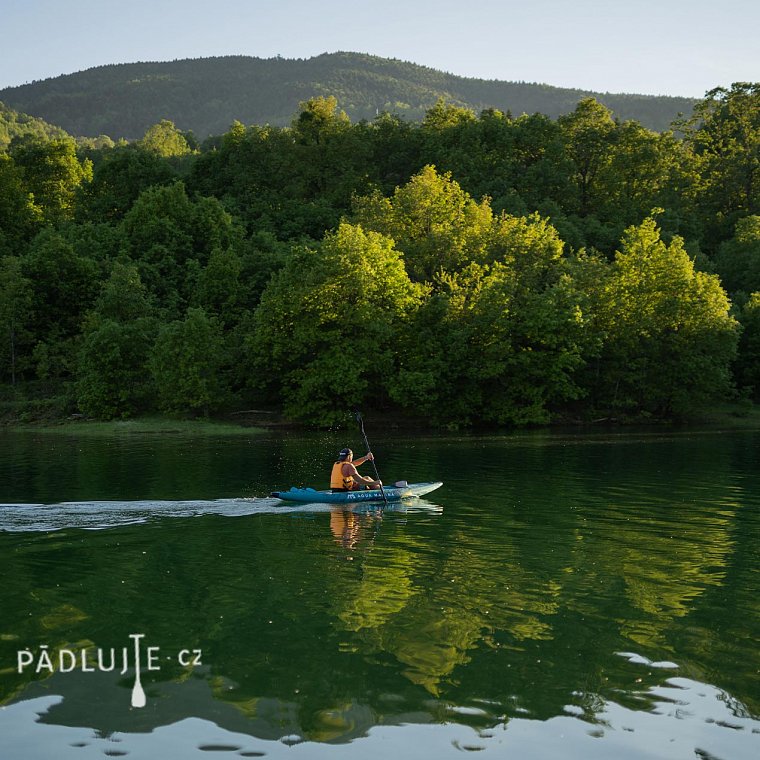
<point>658,47</point>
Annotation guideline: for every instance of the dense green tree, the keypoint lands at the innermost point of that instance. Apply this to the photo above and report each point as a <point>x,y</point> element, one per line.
<point>65,286</point>
<point>123,297</point>
<point>539,170</point>
<point>113,379</point>
<point>219,289</point>
<point>171,236</point>
<point>20,125</point>
<point>327,324</point>
<point>262,256</point>
<point>53,174</point>
<point>589,132</point>
<point>101,242</point>
<point>112,375</point>
<point>748,361</point>
<point>165,140</point>
<point>91,145</point>
<point>119,179</point>
<point>724,133</point>
<point>252,173</point>
<point>294,182</point>
<point>239,169</point>
<point>394,151</point>
<point>187,364</point>
<point>18,214</point>
<point>327,163</point>
<point>437,225</point>
<point>445,115</point>
<point>669,337</point>
<point>738,259</point>
<point>450,139</point>
<point>319,119</point>
<point>518,163</point>
<point>500,341</point>
<point>638,174</point>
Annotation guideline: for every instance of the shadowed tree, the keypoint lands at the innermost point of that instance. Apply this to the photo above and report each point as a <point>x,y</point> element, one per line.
<point>589,132</point>
<point>187,362</point>
<point>724,133</point>
<point>18,214</point>
<point>15,315</point>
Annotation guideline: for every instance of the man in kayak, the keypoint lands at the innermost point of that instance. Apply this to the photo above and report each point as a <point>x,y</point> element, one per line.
<point>345,476</point>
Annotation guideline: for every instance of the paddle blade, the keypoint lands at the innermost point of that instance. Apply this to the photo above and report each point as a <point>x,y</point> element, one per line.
<point>138,695</point>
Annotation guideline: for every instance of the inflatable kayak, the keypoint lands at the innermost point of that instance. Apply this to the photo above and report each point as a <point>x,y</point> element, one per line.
<point>392,493</point>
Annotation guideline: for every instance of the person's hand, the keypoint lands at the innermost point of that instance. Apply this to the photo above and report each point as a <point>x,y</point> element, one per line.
<point>370,456</point>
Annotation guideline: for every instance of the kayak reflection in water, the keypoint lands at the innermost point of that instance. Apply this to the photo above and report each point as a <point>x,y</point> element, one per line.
<point>345,476</point>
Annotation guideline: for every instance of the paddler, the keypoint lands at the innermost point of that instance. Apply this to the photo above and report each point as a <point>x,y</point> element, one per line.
<point>345,476</point>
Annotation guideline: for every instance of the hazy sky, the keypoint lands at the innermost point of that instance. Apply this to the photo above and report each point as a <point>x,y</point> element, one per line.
<point>672,47</point>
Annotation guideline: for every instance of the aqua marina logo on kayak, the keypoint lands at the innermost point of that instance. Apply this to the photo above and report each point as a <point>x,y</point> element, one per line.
<point>113,660</point>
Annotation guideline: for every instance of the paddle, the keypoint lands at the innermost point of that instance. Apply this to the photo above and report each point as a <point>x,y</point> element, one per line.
<point>138,693</point>
<point>359,419</point>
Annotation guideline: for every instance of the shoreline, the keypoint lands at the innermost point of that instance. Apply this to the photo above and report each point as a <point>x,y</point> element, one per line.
<point>255,422</point>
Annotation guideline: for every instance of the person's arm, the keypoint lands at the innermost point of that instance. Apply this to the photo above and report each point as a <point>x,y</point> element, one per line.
<point>350,469</point>
<point>368,457</point>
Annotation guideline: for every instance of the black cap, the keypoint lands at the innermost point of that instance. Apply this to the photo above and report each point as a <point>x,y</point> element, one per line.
<point>343,453</point>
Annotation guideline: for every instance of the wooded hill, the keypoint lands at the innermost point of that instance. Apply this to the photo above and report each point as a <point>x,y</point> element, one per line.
<point>14,124</point>
<point>206,95</point>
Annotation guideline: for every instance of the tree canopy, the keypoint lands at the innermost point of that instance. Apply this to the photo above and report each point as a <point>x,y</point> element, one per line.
<point>471,268</point>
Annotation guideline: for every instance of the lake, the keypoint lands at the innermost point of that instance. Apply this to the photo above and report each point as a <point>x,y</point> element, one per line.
<point>568,595</point>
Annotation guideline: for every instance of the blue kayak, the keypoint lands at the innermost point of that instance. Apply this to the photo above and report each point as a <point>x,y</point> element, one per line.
<point>392,493</point>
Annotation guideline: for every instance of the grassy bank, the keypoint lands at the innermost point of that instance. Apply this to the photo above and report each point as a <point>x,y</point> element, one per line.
<point>150,426</point>
<point>740,415</point>
<point>51,415</point>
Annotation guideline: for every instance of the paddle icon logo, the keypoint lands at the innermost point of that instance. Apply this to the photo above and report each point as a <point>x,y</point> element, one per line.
<point>112,660</point>
<point>138,694</point>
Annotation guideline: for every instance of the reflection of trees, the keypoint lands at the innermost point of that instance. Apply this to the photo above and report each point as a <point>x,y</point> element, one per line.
<point>520,601</point>
<point>665,574</point>
<point>431,613</point>
<point>609,564</point>
<point>381,593</point>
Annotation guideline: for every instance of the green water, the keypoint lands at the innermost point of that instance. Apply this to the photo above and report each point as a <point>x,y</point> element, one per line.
<point>580,596</point>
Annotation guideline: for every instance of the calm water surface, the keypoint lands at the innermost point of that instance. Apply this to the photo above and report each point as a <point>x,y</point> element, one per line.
<point>578,596</point>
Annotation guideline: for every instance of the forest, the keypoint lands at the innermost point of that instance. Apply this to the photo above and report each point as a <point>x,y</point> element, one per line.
<point>205,95</point>
<point>471,269</point>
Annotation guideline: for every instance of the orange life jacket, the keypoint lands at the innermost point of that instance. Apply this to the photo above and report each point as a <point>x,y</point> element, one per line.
<point>338,479</point>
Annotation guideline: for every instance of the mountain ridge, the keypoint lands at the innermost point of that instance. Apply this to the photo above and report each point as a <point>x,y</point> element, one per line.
<point>207,94</point>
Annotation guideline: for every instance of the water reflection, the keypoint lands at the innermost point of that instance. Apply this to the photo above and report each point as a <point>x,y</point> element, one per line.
<point>683,719</point>
<point>591,597</point>
<point>350,528</point>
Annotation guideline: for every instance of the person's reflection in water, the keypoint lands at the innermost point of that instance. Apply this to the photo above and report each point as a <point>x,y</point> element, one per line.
<point>350,528</point>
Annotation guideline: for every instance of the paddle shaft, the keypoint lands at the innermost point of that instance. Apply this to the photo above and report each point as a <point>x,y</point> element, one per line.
<point>369,448</point>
